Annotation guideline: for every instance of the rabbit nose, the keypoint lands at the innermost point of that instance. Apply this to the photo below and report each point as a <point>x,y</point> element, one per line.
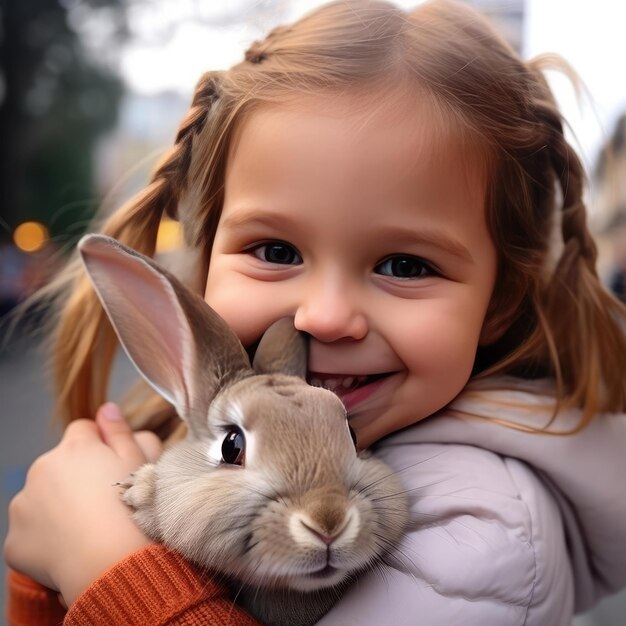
<point>328,539</point>
<point>339,525</point>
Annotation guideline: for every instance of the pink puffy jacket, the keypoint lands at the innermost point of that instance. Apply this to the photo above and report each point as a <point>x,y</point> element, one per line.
<point>508,527</point>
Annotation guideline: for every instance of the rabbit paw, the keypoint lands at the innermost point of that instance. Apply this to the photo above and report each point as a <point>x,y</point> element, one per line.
<point>139,490</point>
<point>139,487</point>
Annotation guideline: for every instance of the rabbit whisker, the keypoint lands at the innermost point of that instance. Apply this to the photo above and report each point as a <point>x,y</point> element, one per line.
<point>406,491</point>
<point>397,472</point>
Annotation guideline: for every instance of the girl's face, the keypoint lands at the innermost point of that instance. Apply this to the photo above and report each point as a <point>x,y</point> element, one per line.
<point>368,227</point>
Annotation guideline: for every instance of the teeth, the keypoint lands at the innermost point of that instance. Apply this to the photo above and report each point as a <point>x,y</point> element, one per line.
<point>345,383</point>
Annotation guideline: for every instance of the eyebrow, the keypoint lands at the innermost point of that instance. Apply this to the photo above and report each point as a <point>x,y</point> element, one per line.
<point>428,237</point>
<point>254,218</point>
<point>404,236</point>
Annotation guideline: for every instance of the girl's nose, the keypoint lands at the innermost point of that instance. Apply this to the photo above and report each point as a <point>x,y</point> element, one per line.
<point>329,313</point>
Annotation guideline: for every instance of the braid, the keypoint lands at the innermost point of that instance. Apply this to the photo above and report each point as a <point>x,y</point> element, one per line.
<point>577,316</point>
<point>571,179</point>
<point>255,54</point>
<point>260,50</point>
<point>176,165</point>
<point>567,325</point>
<point>84,343</point>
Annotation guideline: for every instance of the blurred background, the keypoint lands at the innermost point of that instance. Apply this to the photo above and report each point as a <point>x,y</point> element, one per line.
<point>91,92</point>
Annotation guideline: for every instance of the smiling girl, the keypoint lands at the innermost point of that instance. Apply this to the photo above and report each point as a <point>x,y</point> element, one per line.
<point>367,224</point>
<point>400,185</point>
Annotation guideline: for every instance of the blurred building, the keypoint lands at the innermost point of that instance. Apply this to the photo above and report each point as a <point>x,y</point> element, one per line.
<point>146,128</point>
<point>509,17</point>
<point>610,181</point>
<point>609,199</point>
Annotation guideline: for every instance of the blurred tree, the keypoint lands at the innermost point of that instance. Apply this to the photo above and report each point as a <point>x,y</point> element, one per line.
<point>55,101</point>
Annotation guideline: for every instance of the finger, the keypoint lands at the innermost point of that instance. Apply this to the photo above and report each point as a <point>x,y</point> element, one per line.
<point>81,429</point>
<point>80,432</point>
<point>116,433</point>
<point>150,445</point>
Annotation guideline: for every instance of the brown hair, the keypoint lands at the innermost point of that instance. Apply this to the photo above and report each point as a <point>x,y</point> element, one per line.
<point>549,315</point>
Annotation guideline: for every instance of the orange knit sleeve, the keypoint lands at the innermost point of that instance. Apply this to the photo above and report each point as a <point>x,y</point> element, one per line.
<point>151,587</point>
<point>154,587</point>
<point>31,604</point>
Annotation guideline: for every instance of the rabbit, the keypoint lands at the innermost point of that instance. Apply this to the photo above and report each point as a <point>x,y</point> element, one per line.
<point>267,490</point>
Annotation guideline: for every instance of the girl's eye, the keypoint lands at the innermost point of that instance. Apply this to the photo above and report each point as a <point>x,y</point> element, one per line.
<point>277,252</point>
<point>404,266</point>
<point>234,447</point>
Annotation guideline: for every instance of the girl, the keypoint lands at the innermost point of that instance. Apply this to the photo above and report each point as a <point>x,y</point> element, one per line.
<point>400,184</point>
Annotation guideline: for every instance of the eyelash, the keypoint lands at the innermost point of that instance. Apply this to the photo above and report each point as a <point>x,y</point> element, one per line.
<point>260,251</point>
<point>425,268</point>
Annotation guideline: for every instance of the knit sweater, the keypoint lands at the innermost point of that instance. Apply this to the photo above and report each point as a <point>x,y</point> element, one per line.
<point>159,586</point>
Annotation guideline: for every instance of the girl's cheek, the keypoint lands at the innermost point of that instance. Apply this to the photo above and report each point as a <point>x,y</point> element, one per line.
<point>244,308</point>
<point>444,342</point>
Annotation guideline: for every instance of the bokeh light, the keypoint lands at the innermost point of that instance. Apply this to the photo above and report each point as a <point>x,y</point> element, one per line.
<point>169,236</point>
<point>30,236</point>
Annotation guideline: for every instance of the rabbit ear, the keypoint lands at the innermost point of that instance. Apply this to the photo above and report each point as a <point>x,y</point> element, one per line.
<point>282,350</point>
<point>183,348</point>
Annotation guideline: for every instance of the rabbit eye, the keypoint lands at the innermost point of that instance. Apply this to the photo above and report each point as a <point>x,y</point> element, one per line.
<point>233,447</point>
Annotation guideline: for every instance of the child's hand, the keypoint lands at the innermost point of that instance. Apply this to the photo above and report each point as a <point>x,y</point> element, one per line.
<point>68,525</point>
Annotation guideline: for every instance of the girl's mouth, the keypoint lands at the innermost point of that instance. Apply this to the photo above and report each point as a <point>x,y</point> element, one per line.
<point>351,389</point>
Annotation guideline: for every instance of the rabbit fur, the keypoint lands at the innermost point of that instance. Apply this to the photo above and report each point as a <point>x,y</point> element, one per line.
<point>299,513</point>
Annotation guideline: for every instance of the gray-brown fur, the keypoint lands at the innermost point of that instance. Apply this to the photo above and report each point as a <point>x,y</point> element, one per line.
<point>264,525</point>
